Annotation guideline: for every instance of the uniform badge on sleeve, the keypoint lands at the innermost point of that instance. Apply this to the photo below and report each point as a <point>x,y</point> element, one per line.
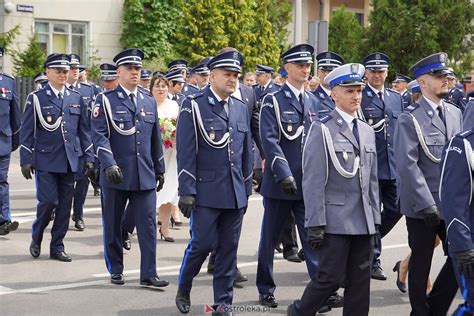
<point>96,111</point>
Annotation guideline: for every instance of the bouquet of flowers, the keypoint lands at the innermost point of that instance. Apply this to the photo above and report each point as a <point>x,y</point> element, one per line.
<point>168,132</point>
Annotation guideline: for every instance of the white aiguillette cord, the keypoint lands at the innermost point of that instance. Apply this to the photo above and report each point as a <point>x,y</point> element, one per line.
<point>329,145</point>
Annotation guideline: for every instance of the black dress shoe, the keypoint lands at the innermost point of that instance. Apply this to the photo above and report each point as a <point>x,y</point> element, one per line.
<point>301,254</point>
<point>7,227</point>
<point>268,300</point>
<point>401,285</point>
<point>126,241</point>
<point>278,248</point>
<point>293,258</point>
<point>324,309</point>
<point>210,268</point>
<point>154,282</point>
<point>335,300</point>
<point>79,225</point>
<point>35,249</point>
<point>117,278</point>
<point>183,302</point>
<point>377,274</point>
<point>60,256</point>
<point>239,277</point>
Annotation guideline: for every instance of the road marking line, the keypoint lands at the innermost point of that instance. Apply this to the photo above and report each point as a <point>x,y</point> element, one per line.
<point>394,246</point>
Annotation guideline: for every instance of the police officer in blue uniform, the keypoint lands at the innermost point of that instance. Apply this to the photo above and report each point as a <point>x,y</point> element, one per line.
<point>400,84</point>
<point>190,87</point>
<point>285,117</point>
<point>108,75</point>
<point>340,190</point>
<point>380,107</point>
<point>456,94</point>
<point>457,207</point>
<point>176,79</point>
<point>9,141</point>
<point>468,115</point>
<point>82,181</point>
<point>127,141</point>
<point>327,62</point>
<point>215,163</point>
<point>40,80</point>
<point>421,133</point>
<point>202,71</point>
<point>145,78</point>
<point>54,119</point>
<point>264,84</point>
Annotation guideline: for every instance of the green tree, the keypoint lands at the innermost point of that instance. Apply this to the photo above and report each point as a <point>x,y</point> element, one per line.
<point>29,62</point>
<point>280,14</point>
<point>7,38</point>
<point>202,30</point>
<point>93,69</point>
<point>150,24</point>
<point>239,28</point>
<point>267,46</point>
<point>409,30</point>
<point>345,34</point>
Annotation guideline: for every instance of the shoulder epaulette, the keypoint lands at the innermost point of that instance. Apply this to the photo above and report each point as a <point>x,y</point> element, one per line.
<point>145,91</point>
<point>73,91</point>
<point>326,118</point>
<point>412,107</point>
<point>465,134</point>
<point>394,91</point>
<point>7,75</point>
<point>195,95</point>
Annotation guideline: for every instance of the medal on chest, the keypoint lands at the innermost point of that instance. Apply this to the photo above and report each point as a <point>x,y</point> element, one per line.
<point>121,125</point>
<point>289,128</point>
<point>370,121</point>
<point>212,135</point>
<point>142,112</point>
<point>49,119</point>
<point>345,156</point>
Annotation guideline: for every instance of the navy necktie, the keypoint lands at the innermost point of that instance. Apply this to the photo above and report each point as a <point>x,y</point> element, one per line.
<point>301,99</point>
<point>441,114</point>
<point>355,131</point>
<point>132,98</point>
<point>225,106</point>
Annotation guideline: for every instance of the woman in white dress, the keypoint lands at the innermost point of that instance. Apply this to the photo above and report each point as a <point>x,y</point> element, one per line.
<point>167,199</point>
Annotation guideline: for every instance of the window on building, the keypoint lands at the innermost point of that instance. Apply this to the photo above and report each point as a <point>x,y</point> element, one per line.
<point>63,37</point>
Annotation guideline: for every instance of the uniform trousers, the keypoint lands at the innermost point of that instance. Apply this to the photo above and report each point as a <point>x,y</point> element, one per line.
<point>288,237</point>
<point>80,192</point>
<point>274,218</point>
<point>5,213</point>
<point>54,192</point>
<point>207,227</point>
<point>389,217</point>
<point>466,286</point>
<point>342,258</point>
<point>142,208</point>
<point>421,239</point>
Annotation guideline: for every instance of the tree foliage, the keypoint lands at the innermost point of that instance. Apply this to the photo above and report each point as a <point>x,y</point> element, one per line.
<point>150,24</point>
<point>29,62</point>
<point>408,30</point>
<point>268,48</point>
<point>198,29</point>
<point>345,34</point>
<point>7,38</point>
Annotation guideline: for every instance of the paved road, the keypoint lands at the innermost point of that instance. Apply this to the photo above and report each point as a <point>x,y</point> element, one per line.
<point>47,287</point>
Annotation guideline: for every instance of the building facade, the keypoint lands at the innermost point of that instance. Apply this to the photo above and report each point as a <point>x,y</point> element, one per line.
<point>86,27</point>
